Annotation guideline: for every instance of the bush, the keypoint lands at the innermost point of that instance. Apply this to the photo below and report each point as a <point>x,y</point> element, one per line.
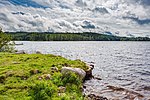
<point>43,91</point>
<point>4,42</point>
<point>57,79</point>
<point>72,78</point>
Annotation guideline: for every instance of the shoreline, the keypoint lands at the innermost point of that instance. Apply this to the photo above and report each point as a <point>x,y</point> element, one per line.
<point>23,74</point>
<point>43,75</point>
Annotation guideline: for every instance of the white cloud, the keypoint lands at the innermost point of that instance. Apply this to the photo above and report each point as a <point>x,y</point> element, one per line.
<point>115,16</point>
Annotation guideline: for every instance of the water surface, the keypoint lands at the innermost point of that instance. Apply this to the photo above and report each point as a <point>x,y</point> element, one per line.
<point>120,64</point>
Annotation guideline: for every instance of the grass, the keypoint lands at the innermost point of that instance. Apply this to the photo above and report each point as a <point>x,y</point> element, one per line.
<point>31,77</point>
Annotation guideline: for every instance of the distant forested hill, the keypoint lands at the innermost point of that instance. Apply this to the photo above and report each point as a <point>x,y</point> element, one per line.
<point>33,36</point>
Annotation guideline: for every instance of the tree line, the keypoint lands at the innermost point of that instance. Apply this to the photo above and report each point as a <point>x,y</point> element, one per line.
<point>86,36</point>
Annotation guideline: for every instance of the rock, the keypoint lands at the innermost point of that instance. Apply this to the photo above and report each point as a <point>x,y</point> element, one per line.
<point>66,65</point>
<point>20,52</point>
<point>147,88</point>
<point>34,71</point>
<point>18,43</point>
<point>54,69</point>
<point>62,94</point>
<point>61,89</point>
<point>95,97</point>
<point>97,78</point>
<point>78,71</point>
<point>38,52</point>
<point>84,86</point>
<point>45,76</point>
<point>131,95</point>
<point>16,62</point>
<point>10,73</point>
<point>53,65</point>
<point>91,66</point>
<point>2,79</point>
<point>48,77</point>
<point>88,74</point>
<point>91,62</point>
<point>40,78</point>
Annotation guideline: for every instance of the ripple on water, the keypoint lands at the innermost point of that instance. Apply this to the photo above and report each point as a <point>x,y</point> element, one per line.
<point>119,64</point>
<point>144,72</point>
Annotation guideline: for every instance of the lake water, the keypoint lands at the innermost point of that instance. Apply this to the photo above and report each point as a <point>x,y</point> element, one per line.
<point>119,64</point>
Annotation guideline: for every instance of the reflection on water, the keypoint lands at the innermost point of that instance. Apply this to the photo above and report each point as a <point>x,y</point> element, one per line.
<point>121,64</point>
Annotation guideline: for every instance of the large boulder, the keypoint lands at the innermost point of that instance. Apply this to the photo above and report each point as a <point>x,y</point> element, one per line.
<point>78,71</point>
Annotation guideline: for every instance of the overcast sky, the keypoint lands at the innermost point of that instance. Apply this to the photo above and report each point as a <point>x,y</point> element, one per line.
<point>118,17</point>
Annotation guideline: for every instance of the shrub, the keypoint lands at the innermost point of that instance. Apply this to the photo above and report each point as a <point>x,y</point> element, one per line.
<point>72,78</point>
<point>4,42</point>
<point>57,79</point>
<point>42,91</point>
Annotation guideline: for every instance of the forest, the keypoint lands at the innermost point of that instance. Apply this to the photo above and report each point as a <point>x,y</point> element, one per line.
<point>86,36</point>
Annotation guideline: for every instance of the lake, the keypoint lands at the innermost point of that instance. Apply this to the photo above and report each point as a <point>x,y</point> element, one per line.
<point>118,63</point>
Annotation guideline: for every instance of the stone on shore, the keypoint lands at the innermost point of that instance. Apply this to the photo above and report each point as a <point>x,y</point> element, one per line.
<point>89,72</point>
<point>78,71</point>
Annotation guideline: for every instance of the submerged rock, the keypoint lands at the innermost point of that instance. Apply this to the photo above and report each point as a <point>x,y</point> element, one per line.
<point>78,71</point>
<point>129,94</point>
<point>97,78</point>
<point>95,97</point>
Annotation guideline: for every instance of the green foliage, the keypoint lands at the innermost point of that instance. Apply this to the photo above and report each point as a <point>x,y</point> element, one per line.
<point>43,91</point>
<point>4,42</point>
<point>71,78</point>
<point>17,82</point>
<point>57,79</point>
<point>24,36</point>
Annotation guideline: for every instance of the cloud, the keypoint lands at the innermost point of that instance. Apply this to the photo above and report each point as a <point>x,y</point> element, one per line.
<point>139,21</point>
<point>115,16</point>
<point>101,10</point>
<point>143,2</point>
<point>27,3</point>
<point>86,24</point>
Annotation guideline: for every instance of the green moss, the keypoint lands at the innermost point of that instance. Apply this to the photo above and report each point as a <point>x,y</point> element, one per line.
<point>29,77</point>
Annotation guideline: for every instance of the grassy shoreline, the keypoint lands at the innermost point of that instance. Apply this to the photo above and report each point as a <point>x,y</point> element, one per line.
<point>38,77</point>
